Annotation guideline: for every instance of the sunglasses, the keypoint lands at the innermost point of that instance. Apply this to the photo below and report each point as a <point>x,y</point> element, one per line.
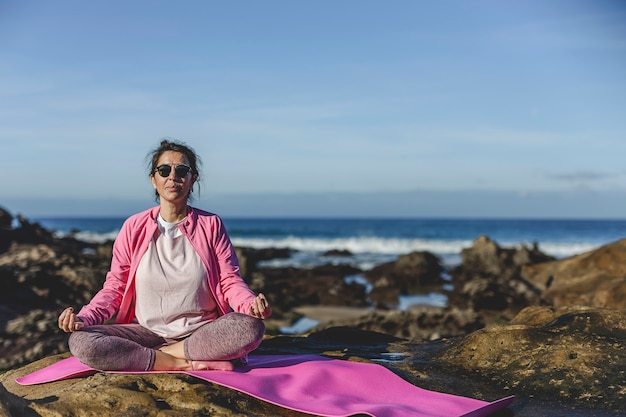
<point>181,171</point>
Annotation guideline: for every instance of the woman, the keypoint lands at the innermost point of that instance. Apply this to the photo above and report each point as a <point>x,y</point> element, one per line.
<point>174,286</point>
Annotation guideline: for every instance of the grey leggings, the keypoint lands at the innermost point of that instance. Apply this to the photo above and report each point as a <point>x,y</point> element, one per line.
<point>130,347</point>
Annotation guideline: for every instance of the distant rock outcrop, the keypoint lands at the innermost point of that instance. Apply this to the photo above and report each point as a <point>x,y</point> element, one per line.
<point>596,278</point>
<point>490,280</point>
<point>409,274</point>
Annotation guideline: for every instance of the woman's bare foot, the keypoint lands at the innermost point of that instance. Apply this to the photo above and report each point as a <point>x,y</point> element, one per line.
<point>212,365</point>
<point>172,358</point>
<point>166,362</point>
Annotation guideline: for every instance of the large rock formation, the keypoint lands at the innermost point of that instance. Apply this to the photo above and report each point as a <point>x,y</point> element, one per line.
<point>557,362</point>
<point>574,353</point>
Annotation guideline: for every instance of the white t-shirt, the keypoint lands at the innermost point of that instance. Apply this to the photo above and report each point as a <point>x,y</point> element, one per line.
<point>173,296</point>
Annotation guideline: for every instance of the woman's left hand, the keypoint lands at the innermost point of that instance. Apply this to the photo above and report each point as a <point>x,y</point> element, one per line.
<point>260,307</point>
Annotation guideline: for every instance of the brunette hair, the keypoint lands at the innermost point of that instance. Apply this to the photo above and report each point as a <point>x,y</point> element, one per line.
<point>168,144</point>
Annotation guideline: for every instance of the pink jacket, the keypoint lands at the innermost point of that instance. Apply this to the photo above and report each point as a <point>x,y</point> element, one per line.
<point>207,235</point>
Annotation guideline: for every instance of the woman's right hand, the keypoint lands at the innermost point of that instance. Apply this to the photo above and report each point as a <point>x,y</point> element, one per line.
<point>68,322</point>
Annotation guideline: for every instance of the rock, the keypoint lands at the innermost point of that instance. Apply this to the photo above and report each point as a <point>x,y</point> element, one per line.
<point>36,282</point>
<point>6,219</point>
<point>574,353</point>
<point>287,288</point>
<point>484,295</point>
<point>596,278</point>
<point>249,258</point>
<point>385,297</point>
<point>47,276</point>
<point>6,230</point>
<point>489,278</point>
<point>29,337</point>
<point>337,252</point>
<point>418,323</point>
<point>487,258</point>
<point>555,361</point>
<point>409,274</point>
<point>32,233</point>
<point>152,395</point>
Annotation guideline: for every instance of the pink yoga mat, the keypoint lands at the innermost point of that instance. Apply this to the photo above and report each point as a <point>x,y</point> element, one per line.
<point>316,385</point>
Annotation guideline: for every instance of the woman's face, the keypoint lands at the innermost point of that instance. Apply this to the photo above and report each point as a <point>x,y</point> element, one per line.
<point>173,188</point>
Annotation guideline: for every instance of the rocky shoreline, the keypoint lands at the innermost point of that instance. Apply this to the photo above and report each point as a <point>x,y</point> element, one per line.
<point>552,332</point>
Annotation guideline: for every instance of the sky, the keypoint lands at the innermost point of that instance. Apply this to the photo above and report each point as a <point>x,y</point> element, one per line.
<point>320,108</point>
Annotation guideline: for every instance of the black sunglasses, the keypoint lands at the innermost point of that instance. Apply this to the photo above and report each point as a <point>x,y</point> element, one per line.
<point>181,171</point>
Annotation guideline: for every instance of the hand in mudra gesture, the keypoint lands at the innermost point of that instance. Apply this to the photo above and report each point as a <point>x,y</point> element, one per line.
<point>260,308</point>
<point>68,322</point>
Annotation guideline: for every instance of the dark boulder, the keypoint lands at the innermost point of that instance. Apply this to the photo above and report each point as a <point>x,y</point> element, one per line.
<point>412,273</point>
<point>290,287</point>
<point>489,278</point>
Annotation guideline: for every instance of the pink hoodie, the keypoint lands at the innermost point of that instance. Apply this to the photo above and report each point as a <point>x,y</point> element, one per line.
<point>207,235</point>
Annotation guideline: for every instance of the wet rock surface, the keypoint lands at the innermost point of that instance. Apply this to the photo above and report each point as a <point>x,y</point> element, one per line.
<point>518,322</point>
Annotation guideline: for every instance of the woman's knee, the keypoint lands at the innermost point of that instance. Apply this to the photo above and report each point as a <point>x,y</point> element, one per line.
<point>81,344</point>
<point>259,327</point>
<point>252,326</point>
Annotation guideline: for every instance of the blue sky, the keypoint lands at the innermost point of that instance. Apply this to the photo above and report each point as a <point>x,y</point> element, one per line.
<point>329,108</point>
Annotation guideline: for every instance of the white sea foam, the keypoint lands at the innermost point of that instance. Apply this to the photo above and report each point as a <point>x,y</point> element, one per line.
<point>397,246</point>
<point>390,246</point>
<point>89,237</point>
<point>367,252</point>
<point>564,250</point>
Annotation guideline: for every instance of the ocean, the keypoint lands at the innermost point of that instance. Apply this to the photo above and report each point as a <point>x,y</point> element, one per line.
<point>374,241</point>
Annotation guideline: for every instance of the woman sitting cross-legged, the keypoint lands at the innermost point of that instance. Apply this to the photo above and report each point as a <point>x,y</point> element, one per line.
<point>174,286</point>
